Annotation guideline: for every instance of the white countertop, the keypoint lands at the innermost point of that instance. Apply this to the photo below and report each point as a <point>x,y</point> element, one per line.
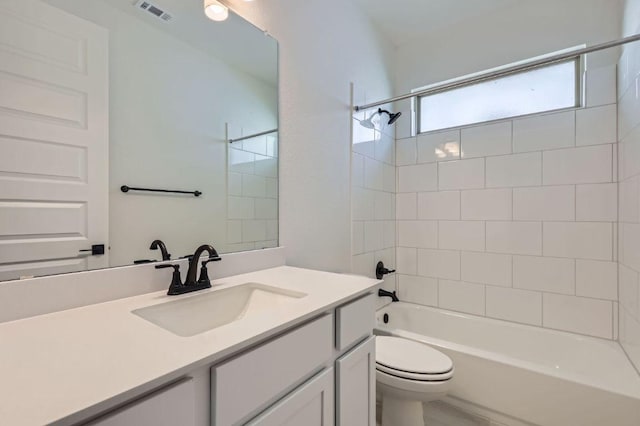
<point>66,366</point>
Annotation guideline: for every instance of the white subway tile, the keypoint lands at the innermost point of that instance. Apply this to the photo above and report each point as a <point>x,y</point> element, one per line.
<point>461,296</point>
<point>578,314</point>
<point>234,184</point>
<point>363,204</point>
<point>487,204</point>
<point>266,166</point>
<point>630,335</point>
<point>486,268</point>
<point>439,264</point>
<point>514,305</point>
<point>383,206</point>
<point>461,235</point>
<point>514,170</point>
<point>234,231</point>
<point>514,237</point>
<point>597,279</point>
<point>389,234</point>
<point>601,86</point>
<point>439,205</point>
<point>357,237</point>
<point>420,234</point>
<point>254,230</point>
<point>406,153</point>
<point>584,240</point>
<point>272,187</point>
<point>544,203</point>
<point>384,148</point>
<point>420,290</point>
<point>254,186</point>
<point>266,208</point>
<point>406,206</point>
<point>241,161</point>
<point>591,164</point>
<point>364,264</point>
<point>629,290</point>
<point>630,244</point>
<point>407,261</point>
<point>486,140</point>
<point>240,208</point>
<point>461,174</point>
<point>421,177</point>
<point>373,236</point>
<point>542,132</point>
<point>547,274</point>
<point>388,178</point>
<point>373,174</point>
<point>595,126</point>
<point>272,230</point>
<point>439,146</point>
<point>630,200</point>
<point>597,202</point>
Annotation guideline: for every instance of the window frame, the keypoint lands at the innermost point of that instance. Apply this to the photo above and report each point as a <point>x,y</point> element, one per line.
<point>578,60</point>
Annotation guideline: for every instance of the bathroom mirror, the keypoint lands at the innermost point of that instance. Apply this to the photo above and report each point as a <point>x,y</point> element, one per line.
<point>105,105</point>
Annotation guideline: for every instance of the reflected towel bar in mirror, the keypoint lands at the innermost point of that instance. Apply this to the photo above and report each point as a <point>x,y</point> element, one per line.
<point>125,188</point>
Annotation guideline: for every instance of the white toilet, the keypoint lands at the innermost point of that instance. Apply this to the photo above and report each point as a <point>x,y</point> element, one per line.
<point>409,373</point>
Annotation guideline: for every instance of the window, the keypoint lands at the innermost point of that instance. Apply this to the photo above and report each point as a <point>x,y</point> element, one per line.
<point>546,88</point>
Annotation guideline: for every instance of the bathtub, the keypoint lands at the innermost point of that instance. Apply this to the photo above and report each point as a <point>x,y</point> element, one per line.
<point>531,374</point>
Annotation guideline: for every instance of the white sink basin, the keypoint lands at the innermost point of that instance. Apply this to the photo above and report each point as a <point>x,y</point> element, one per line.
<point>199,313</point>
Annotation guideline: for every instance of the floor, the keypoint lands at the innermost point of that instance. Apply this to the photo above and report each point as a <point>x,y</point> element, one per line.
<point>438,413</point>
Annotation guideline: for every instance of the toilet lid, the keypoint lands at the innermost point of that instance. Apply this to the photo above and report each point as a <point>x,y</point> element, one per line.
<point>408,356</point>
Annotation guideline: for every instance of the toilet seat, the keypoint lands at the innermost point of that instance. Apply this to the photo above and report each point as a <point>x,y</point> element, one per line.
<point>410,360</point>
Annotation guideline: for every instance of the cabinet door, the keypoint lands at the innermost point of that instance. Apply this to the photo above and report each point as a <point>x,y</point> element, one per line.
<point>171,406</point>
<point>310,405</point>
<point>356,386</point>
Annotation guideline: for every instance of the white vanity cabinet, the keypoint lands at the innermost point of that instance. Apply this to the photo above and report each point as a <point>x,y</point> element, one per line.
<point>356,386</point>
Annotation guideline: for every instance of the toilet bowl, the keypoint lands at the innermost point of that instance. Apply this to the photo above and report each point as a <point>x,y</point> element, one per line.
<point>408,374</point>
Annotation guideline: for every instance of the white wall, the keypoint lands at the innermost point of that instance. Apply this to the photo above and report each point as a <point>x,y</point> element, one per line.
<point>629,178</point>
<point>324,45</point>
<point>169,102</point>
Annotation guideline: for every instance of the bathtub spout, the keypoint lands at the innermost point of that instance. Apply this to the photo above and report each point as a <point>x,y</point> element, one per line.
<point>391,294</point>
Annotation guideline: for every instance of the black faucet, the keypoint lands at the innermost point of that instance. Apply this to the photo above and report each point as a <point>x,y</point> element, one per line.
<point>158,244</point>
<point>391,294</point>
<point>193,266</point>
<point>177,287</point>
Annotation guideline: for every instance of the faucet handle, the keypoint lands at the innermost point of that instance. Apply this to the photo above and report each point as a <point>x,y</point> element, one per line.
<point>176,279</point>
<point>204,273</point>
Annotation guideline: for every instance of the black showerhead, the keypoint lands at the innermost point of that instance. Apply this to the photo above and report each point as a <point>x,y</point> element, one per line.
<point>393,117</point>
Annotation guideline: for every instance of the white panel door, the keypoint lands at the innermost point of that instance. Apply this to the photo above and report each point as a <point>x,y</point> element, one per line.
<point>53,140</point>
<point>356,386</point>
<point>309,405</point>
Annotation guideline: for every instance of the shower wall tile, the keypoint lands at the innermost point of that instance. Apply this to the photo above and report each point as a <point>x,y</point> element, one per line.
<point>461,296</point>
<point>544,274</point>
<point>593,164</point>
<point>487,268</point>
<point>406,153</point>
<point>439,205</point>
<point>439,146</point>
<point>487,204</point>
<point>541,132</point>
<point>545,203</point>
<point>595,126</point>
<point>514,170</point>
<point>514,305</point>
<point>578,314</point>
<point>462,174</point>
<point>517,219</point>
<point>486,140</point>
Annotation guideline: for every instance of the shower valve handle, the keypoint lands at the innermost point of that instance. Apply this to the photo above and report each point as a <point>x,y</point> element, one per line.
<point>382,271</point>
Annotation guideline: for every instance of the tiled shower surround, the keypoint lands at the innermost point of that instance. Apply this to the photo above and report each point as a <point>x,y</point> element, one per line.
<point>629,207</point>
<point>515,219</point>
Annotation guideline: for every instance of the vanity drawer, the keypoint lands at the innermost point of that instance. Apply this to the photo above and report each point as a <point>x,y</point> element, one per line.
<point>246,384</point>
<point>355,321</point>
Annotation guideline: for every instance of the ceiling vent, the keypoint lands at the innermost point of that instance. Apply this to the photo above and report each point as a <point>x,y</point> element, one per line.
<point>154,9</point>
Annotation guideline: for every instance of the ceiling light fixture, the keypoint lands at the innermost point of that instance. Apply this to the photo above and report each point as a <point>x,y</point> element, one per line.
<point>215,10</point>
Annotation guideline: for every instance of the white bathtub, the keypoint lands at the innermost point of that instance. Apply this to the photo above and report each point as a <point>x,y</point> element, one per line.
<point>540,376</point>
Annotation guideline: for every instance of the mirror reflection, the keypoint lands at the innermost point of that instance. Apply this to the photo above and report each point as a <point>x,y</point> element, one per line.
<point>116,118</point>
